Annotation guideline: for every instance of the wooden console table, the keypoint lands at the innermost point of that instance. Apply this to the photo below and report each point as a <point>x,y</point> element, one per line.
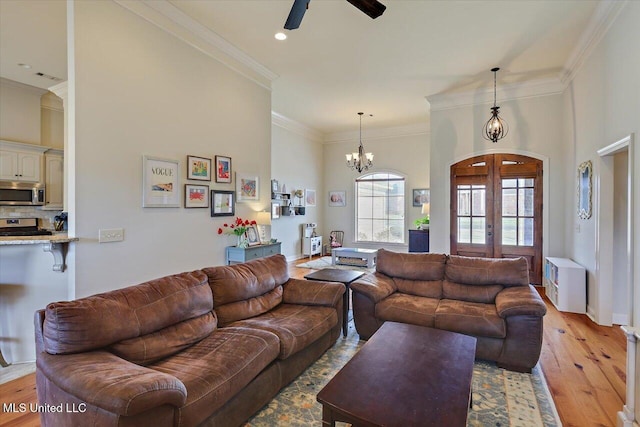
<point>235,255</point>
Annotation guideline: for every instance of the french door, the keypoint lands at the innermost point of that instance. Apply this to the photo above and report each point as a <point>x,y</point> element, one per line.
<point>496,209</point>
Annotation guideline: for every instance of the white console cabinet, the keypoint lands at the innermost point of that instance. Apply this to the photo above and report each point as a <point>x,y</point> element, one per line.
<point>565,284</point>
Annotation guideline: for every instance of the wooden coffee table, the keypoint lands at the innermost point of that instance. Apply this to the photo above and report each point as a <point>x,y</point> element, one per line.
<point>405,375</point>
<point>343,276</point>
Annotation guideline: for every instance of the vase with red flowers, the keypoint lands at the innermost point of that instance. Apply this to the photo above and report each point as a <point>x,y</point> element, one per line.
<point>239,229</point>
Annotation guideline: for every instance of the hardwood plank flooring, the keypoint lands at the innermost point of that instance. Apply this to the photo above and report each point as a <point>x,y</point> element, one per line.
<point>583,363</point>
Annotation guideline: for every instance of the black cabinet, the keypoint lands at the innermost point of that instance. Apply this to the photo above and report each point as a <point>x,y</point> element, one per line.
<point>418,240</point>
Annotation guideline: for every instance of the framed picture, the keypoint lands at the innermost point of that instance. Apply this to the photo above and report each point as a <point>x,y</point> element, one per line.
<point>196,196</point>
<point>198,168</point>
<point>584,189</point>
<point>275,210</point>
<point>160,180</point>
<point>420,196</point>
<point>253,237</point>
<point>223,169</point>
<point>310,197</point>
<point>275,187</point>
<point>247,187</point>
<point>223,203</point>
<point>337,198</point>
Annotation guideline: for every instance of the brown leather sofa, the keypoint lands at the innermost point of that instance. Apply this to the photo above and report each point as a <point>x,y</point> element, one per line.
<point>490,299</point>
<point>208,347</point>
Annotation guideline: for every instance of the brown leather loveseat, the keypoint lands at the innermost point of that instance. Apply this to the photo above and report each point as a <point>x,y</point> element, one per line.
<point>490,299</point>
<point>208,347</point>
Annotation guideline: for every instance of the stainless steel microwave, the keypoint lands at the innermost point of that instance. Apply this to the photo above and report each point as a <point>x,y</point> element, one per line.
<point>21,193</point>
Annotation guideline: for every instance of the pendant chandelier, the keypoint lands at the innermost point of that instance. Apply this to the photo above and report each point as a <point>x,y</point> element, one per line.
<point>360,161</point>
<point>496,128</point>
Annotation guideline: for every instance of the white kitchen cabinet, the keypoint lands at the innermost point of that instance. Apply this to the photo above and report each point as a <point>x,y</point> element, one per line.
<point>54,184</point>
<point>20,162</point>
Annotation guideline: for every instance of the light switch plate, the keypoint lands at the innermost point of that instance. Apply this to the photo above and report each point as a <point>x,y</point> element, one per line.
<point>111,235</point>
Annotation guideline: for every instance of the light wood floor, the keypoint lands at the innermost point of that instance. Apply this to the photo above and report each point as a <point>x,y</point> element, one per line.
<point>584,365</point>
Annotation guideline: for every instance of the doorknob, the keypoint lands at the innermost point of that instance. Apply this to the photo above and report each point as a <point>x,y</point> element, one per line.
<point>489,234</point>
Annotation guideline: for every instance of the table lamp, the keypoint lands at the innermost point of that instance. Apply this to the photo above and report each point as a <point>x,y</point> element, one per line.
<point>264,222</point>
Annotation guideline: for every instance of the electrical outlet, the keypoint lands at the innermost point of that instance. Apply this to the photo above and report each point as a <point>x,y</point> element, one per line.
<point>111,235</point>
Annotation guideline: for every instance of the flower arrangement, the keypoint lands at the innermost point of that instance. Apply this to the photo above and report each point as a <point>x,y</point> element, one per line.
<point>238,227</point>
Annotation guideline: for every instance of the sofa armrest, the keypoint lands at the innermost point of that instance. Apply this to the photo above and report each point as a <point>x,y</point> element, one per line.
<point>376,286</point>
<point>311,292</point>
<point>520,300</point>
<point>104,380</point>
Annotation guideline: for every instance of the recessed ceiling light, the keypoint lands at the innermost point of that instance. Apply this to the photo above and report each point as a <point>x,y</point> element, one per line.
<point>27,66</point>
<point>280,36</point>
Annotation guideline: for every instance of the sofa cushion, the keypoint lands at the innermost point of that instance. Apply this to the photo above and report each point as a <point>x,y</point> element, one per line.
<point>99,320</point>
<point>165,342</point>
<point>408,309</point>
<point>470,318</point>
<point>422,288</point>
<point>217,368</point>
<point>245,290</point>
<point>297,326</point>
<point>487,271</point>
<point>413,266</point>
<point>474,293</point>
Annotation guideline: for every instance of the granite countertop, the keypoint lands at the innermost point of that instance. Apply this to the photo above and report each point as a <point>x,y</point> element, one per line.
<point>34,240</point>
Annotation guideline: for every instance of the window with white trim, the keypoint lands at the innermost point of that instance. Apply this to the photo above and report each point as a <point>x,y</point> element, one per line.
<point>380,208</point>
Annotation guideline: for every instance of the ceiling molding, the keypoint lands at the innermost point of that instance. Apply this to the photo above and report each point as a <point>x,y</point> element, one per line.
<point>530,89</point>
<point>51,101</point>
<point>603,17</point>
<point>22,86</point>
<point>379,133</point>
<point>291,125</point>
<point>169,18</point>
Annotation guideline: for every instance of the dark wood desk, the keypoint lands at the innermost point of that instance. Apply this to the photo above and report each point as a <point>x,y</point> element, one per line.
<point>343,276</point>
<point>405,375</point>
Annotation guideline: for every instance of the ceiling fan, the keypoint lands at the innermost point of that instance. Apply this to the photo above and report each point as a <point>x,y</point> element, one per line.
<point>373,8</point>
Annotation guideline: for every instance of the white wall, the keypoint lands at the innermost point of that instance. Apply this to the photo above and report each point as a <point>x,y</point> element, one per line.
<point>535,130</point>
<point>296,161</point>
<point>19,112</point>
<point>406,154</point>
<point>140,91</point>
<point>602,105</point>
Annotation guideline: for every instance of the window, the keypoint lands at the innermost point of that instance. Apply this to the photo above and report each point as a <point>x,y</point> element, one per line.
<point>517,211</point>
<point>380,208</point>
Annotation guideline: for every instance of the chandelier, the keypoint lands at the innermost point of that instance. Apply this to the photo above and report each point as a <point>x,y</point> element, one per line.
<point>496,128</point>
<point>360,161</point>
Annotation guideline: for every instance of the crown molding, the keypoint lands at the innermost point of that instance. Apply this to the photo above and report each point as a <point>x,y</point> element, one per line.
<point>169,18</point>
<point>530,89</point>
<point>12,83</point>
<point>379,133</point>
<point>291,125</point>
<point>603,17</point>
<point>51,101</point>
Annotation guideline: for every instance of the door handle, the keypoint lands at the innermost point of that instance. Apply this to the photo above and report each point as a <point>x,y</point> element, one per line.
<point>489,234</point>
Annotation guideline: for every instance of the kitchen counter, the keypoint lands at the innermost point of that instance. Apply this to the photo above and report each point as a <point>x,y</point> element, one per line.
<point>34,240</point>
<point>56,244</point>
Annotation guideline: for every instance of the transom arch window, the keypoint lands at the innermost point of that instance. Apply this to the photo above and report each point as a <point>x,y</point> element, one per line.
<point>380,206</point>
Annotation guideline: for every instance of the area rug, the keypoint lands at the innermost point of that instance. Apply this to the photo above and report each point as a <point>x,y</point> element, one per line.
<point>500,397</point>
<point>325,262</point>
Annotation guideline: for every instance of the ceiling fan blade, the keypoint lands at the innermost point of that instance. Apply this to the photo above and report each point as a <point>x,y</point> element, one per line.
<point>373,8</point>
<point>297,13</point>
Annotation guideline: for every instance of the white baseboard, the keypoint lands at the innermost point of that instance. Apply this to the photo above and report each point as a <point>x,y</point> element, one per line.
<point>620,319</point>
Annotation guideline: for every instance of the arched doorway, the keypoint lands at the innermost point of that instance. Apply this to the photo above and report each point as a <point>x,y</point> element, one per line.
<point>496,208</point>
